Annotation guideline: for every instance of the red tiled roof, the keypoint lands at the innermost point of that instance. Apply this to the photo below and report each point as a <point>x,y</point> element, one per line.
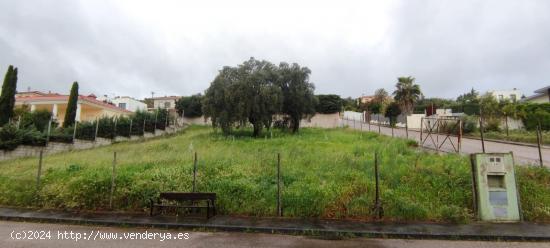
<point>58,97</point>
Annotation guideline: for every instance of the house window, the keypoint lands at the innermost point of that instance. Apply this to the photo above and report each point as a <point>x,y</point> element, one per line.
<point>513,97</point>
<point>167,105</point>
<point>122,105</point>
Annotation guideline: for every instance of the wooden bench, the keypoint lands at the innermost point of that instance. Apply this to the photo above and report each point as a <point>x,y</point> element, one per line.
<point>177,200</point>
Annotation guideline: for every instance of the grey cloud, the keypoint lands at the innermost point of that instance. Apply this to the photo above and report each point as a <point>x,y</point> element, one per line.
<point>449,46</point>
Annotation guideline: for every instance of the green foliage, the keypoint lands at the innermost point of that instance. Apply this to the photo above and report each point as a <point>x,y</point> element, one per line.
<point>326,173</point>
<point>85,130</point>
<point>38,120</point>
<point>350,104</point>
<point>70,113</point>
<point>190,106</point>
<point>123,126</point>
<point>532,114</point>
<point>407,93</point>
<point>534,185</point>
<point>489,106</point>
<point>328,104</point>
<point>470,97</point>
<point>257,90</point>
<point>469,124</point>
<point>61,134</point>
<point>139,118</point>
<point>11,137</point>
<point>298,99</point>
<point>162,118</point>
<point>7,97</point>
<point>375,108</point>
<point>392,111</point>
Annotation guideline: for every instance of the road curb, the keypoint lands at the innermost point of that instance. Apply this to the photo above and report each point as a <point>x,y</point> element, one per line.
<point>280,230</point>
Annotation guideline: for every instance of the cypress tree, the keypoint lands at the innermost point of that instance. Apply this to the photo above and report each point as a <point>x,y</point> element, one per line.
<point>7,98</point>
<point>70,114</point>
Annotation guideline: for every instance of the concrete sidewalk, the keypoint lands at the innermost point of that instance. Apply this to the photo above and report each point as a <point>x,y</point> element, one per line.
<point>474,231</point>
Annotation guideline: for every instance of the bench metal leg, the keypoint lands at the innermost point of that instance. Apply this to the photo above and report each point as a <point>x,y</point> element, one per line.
<point>214,206</point>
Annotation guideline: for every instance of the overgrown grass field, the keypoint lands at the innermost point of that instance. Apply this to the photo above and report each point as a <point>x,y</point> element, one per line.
<point>325,173</point>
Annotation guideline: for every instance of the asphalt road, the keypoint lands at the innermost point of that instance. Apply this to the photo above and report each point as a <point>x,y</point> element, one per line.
<point>522,154</point>
<point>61,237</point>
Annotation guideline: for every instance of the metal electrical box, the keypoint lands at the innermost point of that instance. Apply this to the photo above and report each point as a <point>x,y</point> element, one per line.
<point>495,191</point>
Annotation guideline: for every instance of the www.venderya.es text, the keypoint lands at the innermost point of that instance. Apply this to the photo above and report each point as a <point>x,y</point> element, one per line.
<point>95,235</point>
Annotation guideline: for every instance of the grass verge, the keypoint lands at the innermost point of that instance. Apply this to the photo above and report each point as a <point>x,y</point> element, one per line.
<point>325,173</point>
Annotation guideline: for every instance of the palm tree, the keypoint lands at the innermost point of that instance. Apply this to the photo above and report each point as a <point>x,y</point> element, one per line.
<point>509,110</point>
<point>407,93</point>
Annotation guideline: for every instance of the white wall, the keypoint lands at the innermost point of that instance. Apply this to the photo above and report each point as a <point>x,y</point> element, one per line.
<point>351,115</point>
<point>539,99</point>
<point>159,103</point>
<point>131,104</point>
<point>322,121</point>
<point>506,94</point>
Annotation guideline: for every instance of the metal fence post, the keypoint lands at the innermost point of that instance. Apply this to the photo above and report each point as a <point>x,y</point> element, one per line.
<point>279,209</point>
<point>39,170</point>
<point>96,128</point>
<point>459,136</point>
<point>49,131</point>
<point>539,140</point>
<point>437,135</point>
<point>369,123</point>
<point>74,131</point>
<point>112,182</point>
<point>421,127</point>
<point>377,203</point>
<point>130,132</point>
<point>195,173</point>
<point>481,133</point>
<point>406,127</point>
<point>114,128</point>
<point>155,125</point>
<point>378,117</point>
<point>144,126</point>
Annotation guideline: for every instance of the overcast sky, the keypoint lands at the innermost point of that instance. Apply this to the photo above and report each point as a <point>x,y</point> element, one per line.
<point>352,47</point>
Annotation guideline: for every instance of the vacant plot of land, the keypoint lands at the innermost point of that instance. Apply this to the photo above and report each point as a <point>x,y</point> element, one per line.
<point>325,173</point>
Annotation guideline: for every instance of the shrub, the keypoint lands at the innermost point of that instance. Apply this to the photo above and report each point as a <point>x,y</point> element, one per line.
<point>328,104</point>
<point>32,137</point>
<point>191,106</point>
<point>38,119</point>
<point>532,114</point>
<point>469,124</point>
<point>85,130</point>
<point>64,135</point>
<point>105,127</point>
<point>492,124</point>
<point>10,137</point>
<point>123,127</point>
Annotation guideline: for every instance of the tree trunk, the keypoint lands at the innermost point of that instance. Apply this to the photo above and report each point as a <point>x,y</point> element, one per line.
<point>295,124</point>
<point>257,129</point>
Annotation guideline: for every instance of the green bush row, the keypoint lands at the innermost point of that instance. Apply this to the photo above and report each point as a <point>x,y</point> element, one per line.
<point>33,127</point>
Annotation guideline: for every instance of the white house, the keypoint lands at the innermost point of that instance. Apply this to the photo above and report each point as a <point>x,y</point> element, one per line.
<point>540,96</point>
<point>124,102</point>
<point>129,103</point>
<point>512,95</point>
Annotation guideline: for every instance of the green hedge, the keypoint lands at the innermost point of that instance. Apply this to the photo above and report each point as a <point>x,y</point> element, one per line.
<point>33,128</point>
<point>328,104</point>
